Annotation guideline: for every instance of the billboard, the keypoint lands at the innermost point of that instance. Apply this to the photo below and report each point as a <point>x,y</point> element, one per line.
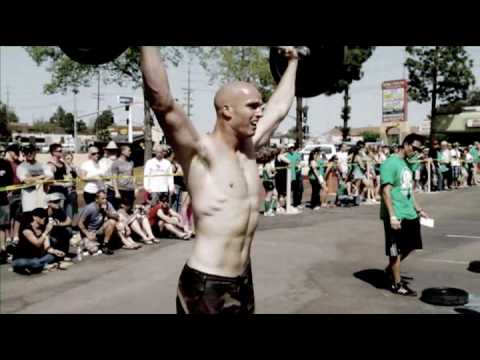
<point>394,100</point>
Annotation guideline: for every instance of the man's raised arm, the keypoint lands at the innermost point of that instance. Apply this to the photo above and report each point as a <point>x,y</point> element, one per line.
<point>179,130</point>
<point>279,103</point>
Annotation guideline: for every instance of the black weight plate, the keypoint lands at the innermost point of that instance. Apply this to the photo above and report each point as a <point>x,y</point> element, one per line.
<point>93,55</point>
<point>316,72</point>
<point>444,296</point>
<point>474,266</point>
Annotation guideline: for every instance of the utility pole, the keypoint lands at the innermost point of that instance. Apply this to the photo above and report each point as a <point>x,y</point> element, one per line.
<point>75,116</point>
<point>8,98</point>
<point>188,91</point>
<point>299,119</point>
<point>346,114</point>
<point>434,97</point>
<point>148,121</point>
<point>98,101</point>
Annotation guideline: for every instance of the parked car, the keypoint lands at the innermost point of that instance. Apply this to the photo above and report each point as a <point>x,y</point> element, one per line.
<point>328,149</point>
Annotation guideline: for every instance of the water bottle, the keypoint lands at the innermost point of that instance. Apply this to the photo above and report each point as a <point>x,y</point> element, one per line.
<point>79,254</point>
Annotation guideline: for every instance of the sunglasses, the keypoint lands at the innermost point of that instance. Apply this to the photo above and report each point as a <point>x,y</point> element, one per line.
<point>417,149</point>
<point>94,153</point>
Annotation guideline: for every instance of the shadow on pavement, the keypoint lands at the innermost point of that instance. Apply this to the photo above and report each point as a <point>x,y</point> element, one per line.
<point>374,277</point>
<point>467,311</point>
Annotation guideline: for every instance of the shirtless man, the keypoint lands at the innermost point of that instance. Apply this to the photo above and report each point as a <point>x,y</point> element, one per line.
<point>221,174</point>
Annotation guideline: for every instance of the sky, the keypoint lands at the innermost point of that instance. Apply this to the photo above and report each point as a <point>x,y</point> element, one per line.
<point>21,84</point>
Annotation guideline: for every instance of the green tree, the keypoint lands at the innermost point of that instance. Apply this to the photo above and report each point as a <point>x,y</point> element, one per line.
<point>292,133</point>
<point>81,126</point>
<point>7,116</point>
<point>104,120</point>
<point>473,98</point>
<point>238,63</point>
<point>369,136</point>
<point>40,126</point>
<point>67,75</point>
<point>441,73</point>
<point>104,135</point>
<point>355,57</point>
<point>456,107</point>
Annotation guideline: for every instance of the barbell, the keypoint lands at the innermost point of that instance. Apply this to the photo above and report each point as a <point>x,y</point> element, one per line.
<point>318,69</point>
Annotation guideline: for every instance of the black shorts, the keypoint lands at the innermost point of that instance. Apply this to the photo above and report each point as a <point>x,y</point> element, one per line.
<point>200,293</point>
<point>408,238</point>
<point>268,186</point>
<point>4,217</point>
<point>127,197</point>
<point>16,207</point>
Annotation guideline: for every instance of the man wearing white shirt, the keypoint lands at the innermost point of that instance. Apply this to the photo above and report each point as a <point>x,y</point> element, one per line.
<point>90,172</point>
<point>106,162</point>
<point>455,165</point>
<point>342,157</point>
<point>31,172</point>
<point>157,179</point>
<point>444,162</point>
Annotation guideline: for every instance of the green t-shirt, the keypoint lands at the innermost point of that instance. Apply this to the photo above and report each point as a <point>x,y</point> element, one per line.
<point>394,171</point>
<point>441,166</point>
<point>265,175</point>
<point>294,159</point>
<point>475,155</point>
<point>321,167</point>
<point>342,188</point>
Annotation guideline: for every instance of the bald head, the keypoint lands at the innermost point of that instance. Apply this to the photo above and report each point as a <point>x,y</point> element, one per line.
<point>233,92</point>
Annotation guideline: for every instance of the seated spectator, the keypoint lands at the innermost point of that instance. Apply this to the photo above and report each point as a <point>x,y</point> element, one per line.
<point>62,224</point>
<point>33,253</point>
<point>98,223</point>
<point>137,222</point>
<point>187,214</point>
<point>166,220</point>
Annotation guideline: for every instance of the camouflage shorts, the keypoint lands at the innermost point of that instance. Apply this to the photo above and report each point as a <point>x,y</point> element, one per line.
<point>200,293</point>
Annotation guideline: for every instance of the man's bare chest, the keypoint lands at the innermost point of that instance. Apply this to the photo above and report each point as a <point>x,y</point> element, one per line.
<point>232,176</point>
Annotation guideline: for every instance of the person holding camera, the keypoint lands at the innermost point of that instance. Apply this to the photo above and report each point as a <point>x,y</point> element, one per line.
<point>136,222</point>
<point>33,254</point>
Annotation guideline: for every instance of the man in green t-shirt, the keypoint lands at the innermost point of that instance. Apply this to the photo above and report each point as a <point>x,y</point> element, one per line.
<point>399,210</point>
<point>475,152</point>
<point>297,181</point>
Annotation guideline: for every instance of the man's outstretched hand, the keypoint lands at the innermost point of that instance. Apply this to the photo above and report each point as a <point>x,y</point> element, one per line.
<point>290,52</point>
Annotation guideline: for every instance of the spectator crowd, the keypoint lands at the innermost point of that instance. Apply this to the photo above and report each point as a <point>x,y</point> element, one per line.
<point>55,213</point>
<point>45,224</point>
<point>351,176</point>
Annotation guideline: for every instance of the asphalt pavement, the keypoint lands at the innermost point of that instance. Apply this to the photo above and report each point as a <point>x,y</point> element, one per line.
<point>327,262</point>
